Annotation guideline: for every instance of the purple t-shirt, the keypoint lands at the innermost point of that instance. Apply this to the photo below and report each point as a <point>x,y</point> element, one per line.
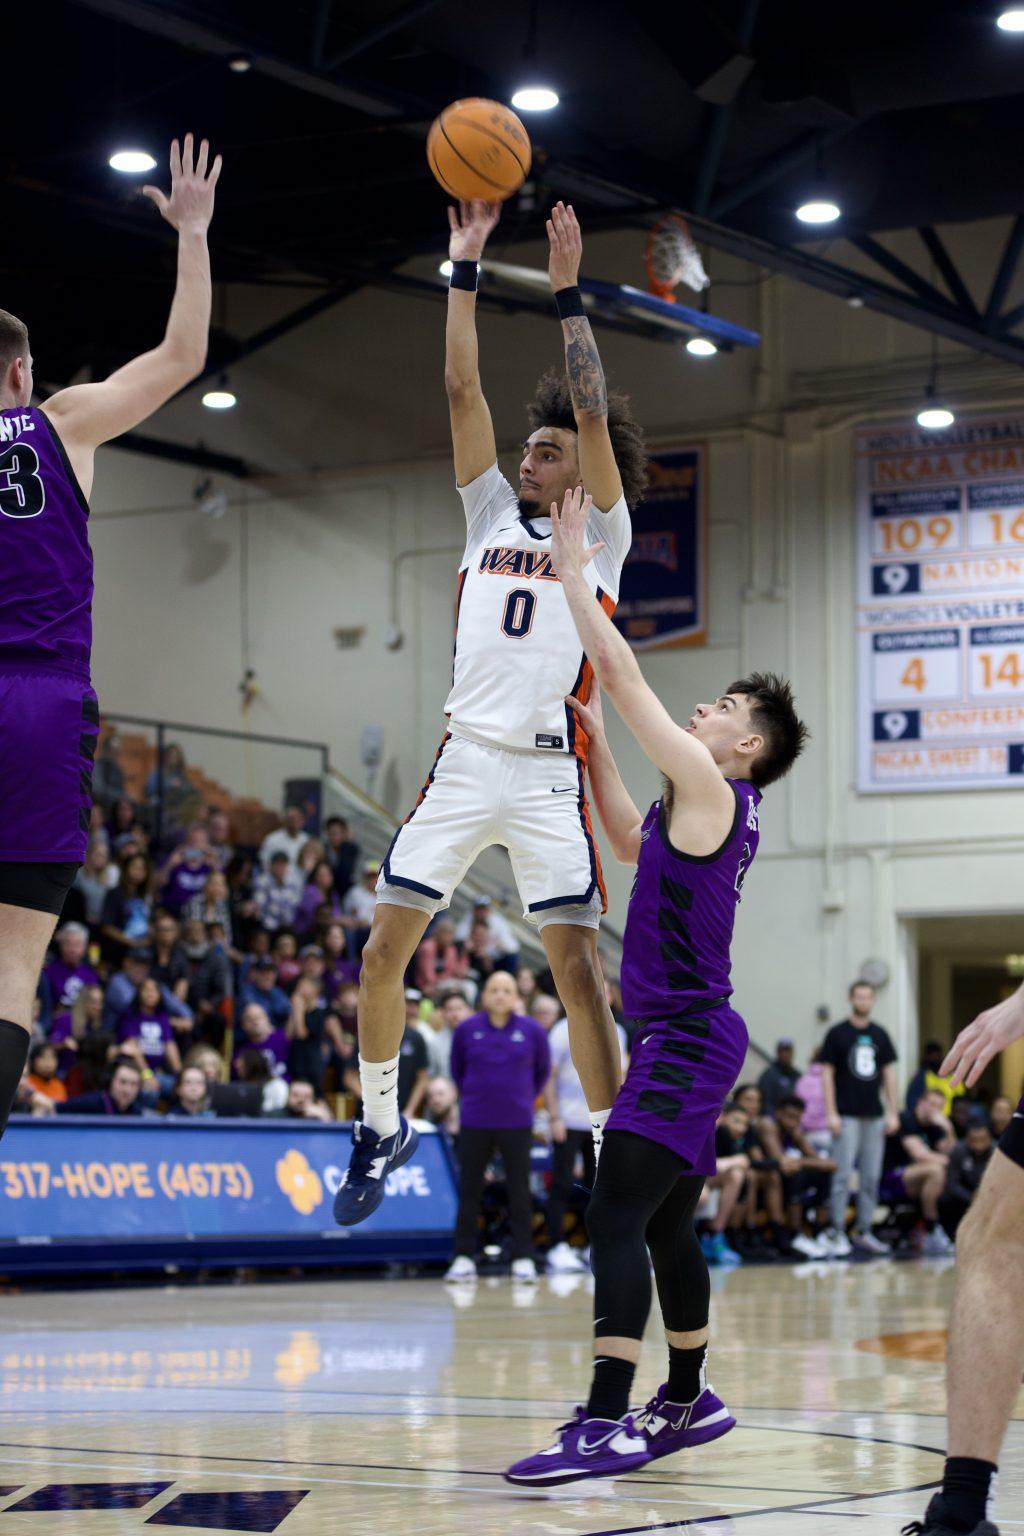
<point>274,1048</point>
<point>499,1072</point>
<point>66,981</point>
<point>152,1029</point>
<point>682,909</point>
<point>186,880</point>
<point>46,579</point>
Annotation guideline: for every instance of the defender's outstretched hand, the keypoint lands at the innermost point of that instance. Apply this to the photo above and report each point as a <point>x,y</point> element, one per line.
<point>470,225</point>
<point>190,204</point>
<point>591,715</point>
<point>565,244</point>
<point>991,1032</point>
<point>568,529</point>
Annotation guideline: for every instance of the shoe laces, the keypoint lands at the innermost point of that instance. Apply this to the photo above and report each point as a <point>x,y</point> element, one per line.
<point>363,1154</point>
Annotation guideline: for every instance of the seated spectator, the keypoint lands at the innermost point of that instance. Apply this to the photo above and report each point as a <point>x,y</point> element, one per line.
<point>806,1177</point>
<point>218,834</point>
<point>1000,1115</point>
<point>123,817</point>
<point>526,981</point>
<point>810,1087</point>
<point>251,1066</point>
<point>358,908</point>
<point>346,1004</point>
<point>927,1077</point>
<point>212,904</point>
<point>779,1078</point>
<point>127,911</point>
<point>64,977</point>
<point>305,1032</point>
<point>732,1165</point>
<point>147,1021</point>
<point>170,967</point>
<point>123,986</point>
<point>107,773</point>
<point>185,873</point>
<point>210,983</point>
<point>69,1030</point>
<point>42,1072</point>
<point>258,1033</point>
<point>319,893</point>
<point>191,1097</point>
<point>916,1160</point>
<point>965,1112</point>
<point>502,943</point>
<point>967,1163</point>
<point>210,1063</point>
<point>91,1062</point>
<point>245,920</point>
<point>277,892</point>
<point>303,1104</point>
<point>96,878</point>
<point>442,1105</point>
<point>119,1098</point>
<point>482,954</point>
<point>169,785</point>
<point>313,968</point>
<point>546,1010</point>
<point>262,988</point>
<point>762,1189</point>
<point>289,840</point>
<point>339,969</point>
<point>439,958</point>
<point>285,953</point>
<point>341,853</point>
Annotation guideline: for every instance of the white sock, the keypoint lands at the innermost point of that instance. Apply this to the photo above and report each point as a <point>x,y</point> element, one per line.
<point>380,1095</point>
<point>598,1117</point>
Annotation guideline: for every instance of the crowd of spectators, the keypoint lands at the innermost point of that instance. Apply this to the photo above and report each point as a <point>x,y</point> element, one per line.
<point>194,977</point>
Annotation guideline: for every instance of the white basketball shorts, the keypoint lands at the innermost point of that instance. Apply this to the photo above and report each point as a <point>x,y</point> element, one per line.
<point>533,804</point>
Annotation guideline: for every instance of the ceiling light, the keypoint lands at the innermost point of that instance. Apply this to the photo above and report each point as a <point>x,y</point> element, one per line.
<point>934,417</point>
<point>240,64</point>
<point>535,98</point>
<point>132,162</point>
<point>1011,20</point>
<point>701,346</point>
<point>220,399</point>
<point>819,210</point>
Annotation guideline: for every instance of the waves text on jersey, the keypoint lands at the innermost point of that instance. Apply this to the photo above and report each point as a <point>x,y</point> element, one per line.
<point>504,561</point>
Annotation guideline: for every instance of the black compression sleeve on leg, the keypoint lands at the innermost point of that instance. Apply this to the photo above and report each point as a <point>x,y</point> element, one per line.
<point>680,1268</point>
<point>634,1177</point>
<point>13,1055</point>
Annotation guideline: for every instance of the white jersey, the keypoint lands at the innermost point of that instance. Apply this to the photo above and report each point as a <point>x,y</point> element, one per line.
<point>517,653</point>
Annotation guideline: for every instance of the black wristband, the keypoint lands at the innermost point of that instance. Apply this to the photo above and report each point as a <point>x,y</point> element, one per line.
<point>569,302</point>
<point>464,275</point>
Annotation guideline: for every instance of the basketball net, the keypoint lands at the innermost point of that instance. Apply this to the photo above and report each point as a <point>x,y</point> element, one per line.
<point>672,258</point>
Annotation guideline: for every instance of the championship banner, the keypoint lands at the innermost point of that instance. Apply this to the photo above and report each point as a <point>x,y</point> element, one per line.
<point>940,605</point>
<point>85,1180</point>
<point>662,597</point>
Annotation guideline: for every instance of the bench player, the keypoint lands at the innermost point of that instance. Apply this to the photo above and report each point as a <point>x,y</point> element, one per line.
<point>511,766</point>
<point>48,711</point>
<point>985,1356</point>
<point>692,851</point>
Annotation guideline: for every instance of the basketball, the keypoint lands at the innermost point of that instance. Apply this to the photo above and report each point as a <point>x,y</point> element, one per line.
<point>479,149</point>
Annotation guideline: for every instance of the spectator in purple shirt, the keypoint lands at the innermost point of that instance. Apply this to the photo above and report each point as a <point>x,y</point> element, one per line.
<point>501,1061</point>
<point>258,1032</point>
<point>186,871</point>
<point>147,1021</point>
<point>319,892</point>
<point>69,973</point>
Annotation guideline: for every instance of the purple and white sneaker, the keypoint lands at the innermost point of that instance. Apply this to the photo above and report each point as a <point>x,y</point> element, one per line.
<point>670,1427</point>
<point>584,1448</point>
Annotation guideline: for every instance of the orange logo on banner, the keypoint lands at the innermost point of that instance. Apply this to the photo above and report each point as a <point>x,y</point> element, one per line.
<point>300,1182</point>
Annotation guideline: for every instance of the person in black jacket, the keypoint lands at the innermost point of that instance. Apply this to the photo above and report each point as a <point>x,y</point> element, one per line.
<point>967,1163</point>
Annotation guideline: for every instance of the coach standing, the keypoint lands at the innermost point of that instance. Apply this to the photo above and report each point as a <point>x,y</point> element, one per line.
<point>500,1063</point>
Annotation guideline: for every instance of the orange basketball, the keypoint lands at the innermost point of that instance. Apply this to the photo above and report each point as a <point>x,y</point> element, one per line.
<point>479,149</point>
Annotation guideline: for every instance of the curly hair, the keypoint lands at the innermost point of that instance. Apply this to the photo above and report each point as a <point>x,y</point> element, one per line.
<point>551,406</point>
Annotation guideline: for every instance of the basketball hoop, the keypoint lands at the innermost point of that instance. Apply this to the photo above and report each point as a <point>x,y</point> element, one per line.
<point>672,258</point>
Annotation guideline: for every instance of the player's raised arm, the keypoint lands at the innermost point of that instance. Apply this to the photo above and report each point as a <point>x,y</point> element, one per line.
<point>621,820</point>
<point>472,431</point>
<point>86,415</point>
<point>684,760</point>
<point>598,469</point>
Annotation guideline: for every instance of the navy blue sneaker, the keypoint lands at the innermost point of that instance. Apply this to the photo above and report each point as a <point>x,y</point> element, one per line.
<point>373,1158</point>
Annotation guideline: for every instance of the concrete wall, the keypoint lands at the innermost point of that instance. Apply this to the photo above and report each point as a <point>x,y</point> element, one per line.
<point>356,525</point>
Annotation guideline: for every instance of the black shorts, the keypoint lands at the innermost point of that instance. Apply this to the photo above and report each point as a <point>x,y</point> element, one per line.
<point>38,887</point>
<point>1011,1143</point>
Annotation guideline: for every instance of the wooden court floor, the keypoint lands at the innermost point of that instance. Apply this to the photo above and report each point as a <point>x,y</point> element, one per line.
<point>392,1406</point>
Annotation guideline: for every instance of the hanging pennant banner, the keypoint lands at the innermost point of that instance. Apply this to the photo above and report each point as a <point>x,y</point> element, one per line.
<point>662,597</point>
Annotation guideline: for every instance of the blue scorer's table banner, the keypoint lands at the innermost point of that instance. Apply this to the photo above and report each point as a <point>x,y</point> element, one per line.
<point>662,598</point>
<point>232,1191</point>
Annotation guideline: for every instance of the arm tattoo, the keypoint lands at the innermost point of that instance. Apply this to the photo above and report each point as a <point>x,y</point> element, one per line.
<point>583,365</point>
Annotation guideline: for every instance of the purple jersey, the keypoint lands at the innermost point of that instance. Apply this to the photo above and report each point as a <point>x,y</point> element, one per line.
<point>681,915</point>
<point>46,579</point>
